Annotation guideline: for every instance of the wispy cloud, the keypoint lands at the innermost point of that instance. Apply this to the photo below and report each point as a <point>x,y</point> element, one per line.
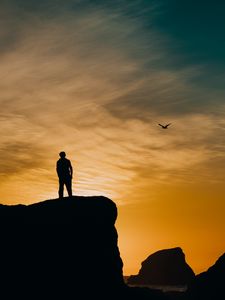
<point>92,84</point>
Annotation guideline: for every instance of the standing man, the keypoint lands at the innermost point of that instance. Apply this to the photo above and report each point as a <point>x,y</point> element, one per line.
<point>65,173</point>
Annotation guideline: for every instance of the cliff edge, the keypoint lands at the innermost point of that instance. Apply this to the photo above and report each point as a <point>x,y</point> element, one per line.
<point>209,284</point>
<point>60,248</point>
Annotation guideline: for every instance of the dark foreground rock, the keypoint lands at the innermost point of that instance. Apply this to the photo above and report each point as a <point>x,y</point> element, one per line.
<point>209,284</point>
<point>67,249</point>
<point>58,248</point>
<point>63,249</point>
<point>164,267</point>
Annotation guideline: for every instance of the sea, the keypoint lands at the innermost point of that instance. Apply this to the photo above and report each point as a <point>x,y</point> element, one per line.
<point>163,288</point>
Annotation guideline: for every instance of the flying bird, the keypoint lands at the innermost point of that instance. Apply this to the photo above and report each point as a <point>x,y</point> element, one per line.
<point>164,126</point>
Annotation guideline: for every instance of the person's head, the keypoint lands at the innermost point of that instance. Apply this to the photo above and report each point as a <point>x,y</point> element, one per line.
<point>62,154</point>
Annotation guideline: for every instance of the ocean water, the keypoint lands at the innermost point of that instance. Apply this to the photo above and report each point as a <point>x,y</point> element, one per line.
<point>164,288</point>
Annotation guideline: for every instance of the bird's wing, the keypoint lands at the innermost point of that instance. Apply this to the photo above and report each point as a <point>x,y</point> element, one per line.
<point>160,125</point>
<point>168,124</point>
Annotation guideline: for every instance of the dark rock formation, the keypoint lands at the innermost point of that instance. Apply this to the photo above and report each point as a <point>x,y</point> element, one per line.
<point>57,249</point>
<point>64,249</point>
<point>164,267</point>
<point>209,284</point>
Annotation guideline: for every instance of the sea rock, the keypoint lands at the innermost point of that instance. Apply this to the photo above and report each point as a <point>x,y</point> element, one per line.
<point>209,284</point>
<point>164,267</point>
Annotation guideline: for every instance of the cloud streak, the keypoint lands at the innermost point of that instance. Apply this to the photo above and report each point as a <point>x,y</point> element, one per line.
<point>92,84</point>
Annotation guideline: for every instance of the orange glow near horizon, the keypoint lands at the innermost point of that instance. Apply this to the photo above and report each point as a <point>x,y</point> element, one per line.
<point>187,218</point>
<point>161,216</point>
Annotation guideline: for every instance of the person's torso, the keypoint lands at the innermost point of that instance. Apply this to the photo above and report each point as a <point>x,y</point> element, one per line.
<point>63,167</point>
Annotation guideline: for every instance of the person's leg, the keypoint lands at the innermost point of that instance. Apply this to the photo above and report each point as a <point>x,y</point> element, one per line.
<point>69,186</point>
<point>61,187</point>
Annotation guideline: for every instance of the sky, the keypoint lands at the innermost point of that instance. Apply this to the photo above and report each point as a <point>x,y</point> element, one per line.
<point>94,79</point>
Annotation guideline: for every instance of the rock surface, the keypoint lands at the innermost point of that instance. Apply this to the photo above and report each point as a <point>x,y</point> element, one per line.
<point>209,284</point>
<point>67,249</point>
<point>164,267</point>
<point>60,248</point>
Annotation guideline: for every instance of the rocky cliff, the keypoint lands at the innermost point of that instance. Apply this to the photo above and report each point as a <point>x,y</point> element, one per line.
<point>60,248</point>
<point>209,284</point>
<point>164,267</point>
<point>67,249</point>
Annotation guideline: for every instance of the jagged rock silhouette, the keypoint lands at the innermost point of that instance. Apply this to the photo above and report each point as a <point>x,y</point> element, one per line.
<point>59,247</point>
<point>164,267</point>
<point>209,284</point>
<point>68,249</point>
<point>63,249</point>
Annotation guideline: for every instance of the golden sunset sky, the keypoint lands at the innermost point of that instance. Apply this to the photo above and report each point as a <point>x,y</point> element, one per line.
<point>94,79</point>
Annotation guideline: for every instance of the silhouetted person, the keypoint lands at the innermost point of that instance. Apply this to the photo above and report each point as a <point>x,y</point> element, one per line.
<point>65,173</point>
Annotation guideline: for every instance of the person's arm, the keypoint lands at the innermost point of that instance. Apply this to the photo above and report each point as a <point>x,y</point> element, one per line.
<point>57,168</point>
<point>71,170</point>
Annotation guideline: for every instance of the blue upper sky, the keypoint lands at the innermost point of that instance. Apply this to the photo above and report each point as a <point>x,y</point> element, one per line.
<point>195,28</point>
<point>198,27</point>
<point>185,38</point>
